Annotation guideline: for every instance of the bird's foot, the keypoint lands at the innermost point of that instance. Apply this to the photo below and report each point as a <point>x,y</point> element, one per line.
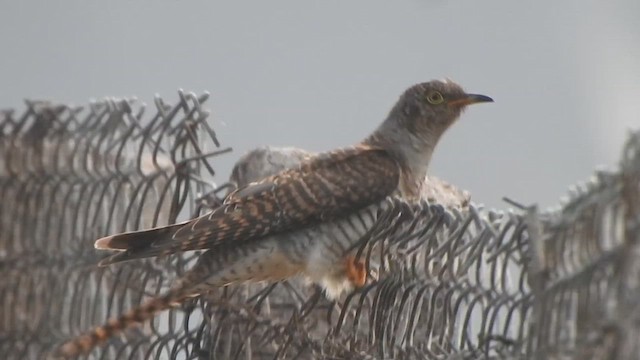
<point>356,271</point>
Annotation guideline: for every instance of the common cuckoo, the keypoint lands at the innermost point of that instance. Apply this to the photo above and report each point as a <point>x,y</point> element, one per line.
<point>301,221</point>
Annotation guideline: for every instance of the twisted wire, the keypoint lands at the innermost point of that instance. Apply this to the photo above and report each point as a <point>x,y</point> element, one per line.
<point>445,283</point>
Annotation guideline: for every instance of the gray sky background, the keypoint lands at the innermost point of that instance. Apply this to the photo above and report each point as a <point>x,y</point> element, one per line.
<point>565,74</point>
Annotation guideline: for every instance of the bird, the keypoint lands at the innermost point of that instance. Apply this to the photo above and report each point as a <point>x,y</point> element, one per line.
<point>302,221</point>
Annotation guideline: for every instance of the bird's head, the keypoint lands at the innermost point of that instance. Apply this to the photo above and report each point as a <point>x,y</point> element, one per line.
<point>429,108</point>
<point>418,120</point>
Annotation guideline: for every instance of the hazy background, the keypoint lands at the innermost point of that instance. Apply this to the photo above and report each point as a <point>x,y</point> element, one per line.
<point>565,74</point>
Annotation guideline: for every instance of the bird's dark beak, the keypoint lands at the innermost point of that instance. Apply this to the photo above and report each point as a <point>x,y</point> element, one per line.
<point>468,99</point>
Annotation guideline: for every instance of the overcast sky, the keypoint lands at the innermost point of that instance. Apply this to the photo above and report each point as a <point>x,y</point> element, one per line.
<point>320,74</point>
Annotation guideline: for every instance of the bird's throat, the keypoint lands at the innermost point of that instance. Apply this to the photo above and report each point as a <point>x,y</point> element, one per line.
<point>413,153</point>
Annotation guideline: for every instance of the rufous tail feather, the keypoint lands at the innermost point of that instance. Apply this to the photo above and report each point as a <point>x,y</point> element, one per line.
<point>85,343</point>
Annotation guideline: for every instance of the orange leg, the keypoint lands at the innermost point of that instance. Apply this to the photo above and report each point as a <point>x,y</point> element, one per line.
<point>356,271</point>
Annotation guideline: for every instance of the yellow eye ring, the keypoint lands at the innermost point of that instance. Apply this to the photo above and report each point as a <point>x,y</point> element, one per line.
<point>435,98</point>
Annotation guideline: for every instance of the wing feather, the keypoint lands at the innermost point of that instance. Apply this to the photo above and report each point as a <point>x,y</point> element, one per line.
<point>325,187</point>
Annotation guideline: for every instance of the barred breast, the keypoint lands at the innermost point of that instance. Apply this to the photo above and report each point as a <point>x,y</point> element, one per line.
<point>320,251</point>
<point>316,252</point>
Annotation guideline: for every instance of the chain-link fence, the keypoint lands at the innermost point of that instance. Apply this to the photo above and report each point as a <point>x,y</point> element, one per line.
<point>448,282</point>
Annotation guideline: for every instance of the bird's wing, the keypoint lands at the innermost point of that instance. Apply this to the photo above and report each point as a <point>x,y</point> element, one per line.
<point>327,186</point>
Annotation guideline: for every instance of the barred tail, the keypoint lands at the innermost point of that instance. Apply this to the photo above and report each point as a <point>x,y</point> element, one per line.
<point>85,343</point>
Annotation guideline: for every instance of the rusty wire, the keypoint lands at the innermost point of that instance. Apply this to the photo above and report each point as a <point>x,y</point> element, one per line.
<point>446,283</point>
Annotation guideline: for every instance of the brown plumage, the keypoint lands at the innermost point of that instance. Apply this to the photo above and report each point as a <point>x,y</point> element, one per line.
<point>301,221</point>
<point>326,187</point>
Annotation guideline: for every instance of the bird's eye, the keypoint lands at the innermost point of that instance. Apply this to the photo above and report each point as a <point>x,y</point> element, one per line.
<point>435,98</point>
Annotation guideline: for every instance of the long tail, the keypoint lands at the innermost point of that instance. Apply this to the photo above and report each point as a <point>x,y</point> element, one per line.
<point>85,343</point>
<point>132,245</point>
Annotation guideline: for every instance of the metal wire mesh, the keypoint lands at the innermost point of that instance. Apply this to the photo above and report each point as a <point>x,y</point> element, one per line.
<point>69,175</point>
<point>446,283</point>
<point>586,268</point>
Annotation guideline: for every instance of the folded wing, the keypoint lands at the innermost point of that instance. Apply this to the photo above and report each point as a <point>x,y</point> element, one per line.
<point>328,186</point>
